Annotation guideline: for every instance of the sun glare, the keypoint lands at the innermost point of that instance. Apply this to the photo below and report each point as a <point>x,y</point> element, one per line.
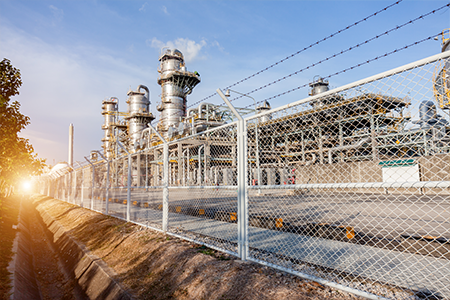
<point>26,185</point>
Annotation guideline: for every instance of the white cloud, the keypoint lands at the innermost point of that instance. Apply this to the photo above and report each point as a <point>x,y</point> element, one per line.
<point>58,13</point>
<point>222,49</point>
<point>62,85</point>
<point>143,7</point>
<point>190,49</point>
<point>164,9</point>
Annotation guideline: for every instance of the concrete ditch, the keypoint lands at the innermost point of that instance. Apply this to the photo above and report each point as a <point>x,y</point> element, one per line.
<point>94,279</point>
<point>23,279</point>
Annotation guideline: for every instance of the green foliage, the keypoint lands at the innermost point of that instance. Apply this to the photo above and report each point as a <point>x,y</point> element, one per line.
<point>206,250</point>
<point>17,157</point>
<point>10,79</point>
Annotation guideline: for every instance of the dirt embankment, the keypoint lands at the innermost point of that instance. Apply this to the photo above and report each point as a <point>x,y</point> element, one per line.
<point>152,265</point>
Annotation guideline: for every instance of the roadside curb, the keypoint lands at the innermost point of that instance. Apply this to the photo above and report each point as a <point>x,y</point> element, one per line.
<point>92,274</point>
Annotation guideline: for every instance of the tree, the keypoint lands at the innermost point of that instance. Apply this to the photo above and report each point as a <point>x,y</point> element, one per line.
<point>17,157</point>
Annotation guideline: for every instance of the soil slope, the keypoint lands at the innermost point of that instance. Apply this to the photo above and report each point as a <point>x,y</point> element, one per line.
<point>156,266</point>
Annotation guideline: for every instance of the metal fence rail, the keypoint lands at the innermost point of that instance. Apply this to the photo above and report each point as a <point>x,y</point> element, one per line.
<point>349,187</point>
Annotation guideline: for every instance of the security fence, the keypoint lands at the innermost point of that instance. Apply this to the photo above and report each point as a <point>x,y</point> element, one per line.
<point>349,187</point>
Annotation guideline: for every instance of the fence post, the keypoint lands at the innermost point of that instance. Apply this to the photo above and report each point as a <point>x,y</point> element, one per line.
<point>65,192</point>
<point>69,187</point>
<point>107,187</point>
<point>93,182</point>
<point>165,186</point>
<point>59,194</point>
<point>54,192</point>
<point>65,186</point>
<point>107,182</point>
<point>242,180</point>
<point>129,188</point>
<point>93,187</point>
<point>82,188</point>
<point>128,181</point>
<point>165,220</point>
<point>74,187</point>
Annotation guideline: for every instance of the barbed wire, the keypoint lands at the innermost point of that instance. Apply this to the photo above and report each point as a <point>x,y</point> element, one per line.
<point>348,69</point>
<point>344,51</point>
<point>300,51</point>
<point>333,56</point>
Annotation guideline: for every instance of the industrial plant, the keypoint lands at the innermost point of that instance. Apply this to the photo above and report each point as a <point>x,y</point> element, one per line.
<point>333,129</point>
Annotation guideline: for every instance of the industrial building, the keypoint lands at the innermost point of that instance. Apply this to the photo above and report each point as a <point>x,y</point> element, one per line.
<point>336,129</point>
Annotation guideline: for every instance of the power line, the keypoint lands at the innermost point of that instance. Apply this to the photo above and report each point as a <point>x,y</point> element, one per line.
<point>302,50</point>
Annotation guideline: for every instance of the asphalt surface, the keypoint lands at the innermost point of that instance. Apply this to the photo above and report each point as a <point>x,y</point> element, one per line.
<point>382,215</point>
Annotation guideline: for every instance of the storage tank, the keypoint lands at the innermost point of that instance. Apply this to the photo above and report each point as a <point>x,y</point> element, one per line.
<point>318,86</point>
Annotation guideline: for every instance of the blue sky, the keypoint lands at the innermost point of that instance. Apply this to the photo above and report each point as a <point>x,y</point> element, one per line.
<point>73,54</point>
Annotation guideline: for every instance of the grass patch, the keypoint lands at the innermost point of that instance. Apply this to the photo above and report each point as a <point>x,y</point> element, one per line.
<point>205,250</point>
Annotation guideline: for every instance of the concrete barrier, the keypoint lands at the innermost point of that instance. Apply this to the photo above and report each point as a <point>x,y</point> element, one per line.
<point>94,277</point>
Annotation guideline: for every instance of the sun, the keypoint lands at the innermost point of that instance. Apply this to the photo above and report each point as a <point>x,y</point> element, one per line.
<point>26,185</point>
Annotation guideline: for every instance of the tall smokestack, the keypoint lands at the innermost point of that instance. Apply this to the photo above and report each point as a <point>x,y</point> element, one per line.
<point>70,145</point>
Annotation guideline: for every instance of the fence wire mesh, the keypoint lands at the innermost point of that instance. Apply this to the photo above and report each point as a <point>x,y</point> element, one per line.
<point>393,227</point>
<point>347,187</point>
<point>202,177</point>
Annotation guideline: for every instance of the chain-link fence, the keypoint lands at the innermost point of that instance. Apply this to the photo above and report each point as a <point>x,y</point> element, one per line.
<point>356,180</point>
<point>349,187</point>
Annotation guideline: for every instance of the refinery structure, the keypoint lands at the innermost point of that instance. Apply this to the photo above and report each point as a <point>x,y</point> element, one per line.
<point>338,128</point>
<point>129,132</point>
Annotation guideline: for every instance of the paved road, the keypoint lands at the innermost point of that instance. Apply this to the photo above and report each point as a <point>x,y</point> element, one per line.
<point>372,214</point>
<point>382,215</point>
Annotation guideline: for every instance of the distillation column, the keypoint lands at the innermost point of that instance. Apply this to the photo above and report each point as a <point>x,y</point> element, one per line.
<point>109,111</point>
<point>139,115</point>
<point>176,83</point>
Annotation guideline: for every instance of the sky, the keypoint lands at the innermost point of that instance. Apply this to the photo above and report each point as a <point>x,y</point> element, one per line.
<point>74,54</point>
